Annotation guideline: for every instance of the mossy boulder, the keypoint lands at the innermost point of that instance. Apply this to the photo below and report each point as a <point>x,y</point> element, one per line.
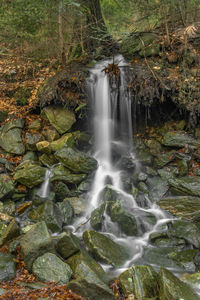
<point>50,213</point>
<point>67,211</point>
<point>185,259</point>
<point>7,267</point>
<point>79,204</point>
<point>67,139</point>
<point>186,185</point>
<point>60,118</point>
<point>31,139</point>
<point>186,230</point>
<point>67,244</point>
<point>90,290</point>
<point>173,288</point>
<point>141,281</point>
<point>6,186</point>
<point>61,173</point>
<point>125,220</point>
<point>91,282</point>
<point>35,243</point>
<point>179,139</point>
<point>76,161</point>
<point>8,231</point>
<point>30,174</point>
<point>186,207</point>
<point>44,147</point>
<point>105,249</point>
<point>97,217</point>
<point>49,267</point>
<point>10,137</point>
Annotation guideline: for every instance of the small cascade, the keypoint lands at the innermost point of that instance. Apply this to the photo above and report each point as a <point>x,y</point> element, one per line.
<point>113,140</point>
<point>44,189</point>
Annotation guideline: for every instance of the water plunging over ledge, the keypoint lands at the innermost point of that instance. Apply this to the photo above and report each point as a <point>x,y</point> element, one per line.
<point>113,139</point>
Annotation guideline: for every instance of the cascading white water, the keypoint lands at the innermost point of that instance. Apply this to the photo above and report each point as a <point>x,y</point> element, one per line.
<point>112,123</point>
<point>44,189</point>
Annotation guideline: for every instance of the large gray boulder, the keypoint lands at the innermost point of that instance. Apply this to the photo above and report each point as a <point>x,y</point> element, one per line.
<point>49,267</point>
<point>186,185</point>
<point>60,118</point>
<point>10,137</point>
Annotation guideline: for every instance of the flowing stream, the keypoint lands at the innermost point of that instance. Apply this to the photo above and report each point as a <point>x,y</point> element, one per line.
<point>113,139</point>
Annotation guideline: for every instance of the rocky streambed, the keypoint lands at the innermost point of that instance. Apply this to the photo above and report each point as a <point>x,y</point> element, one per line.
<point>165,171</point>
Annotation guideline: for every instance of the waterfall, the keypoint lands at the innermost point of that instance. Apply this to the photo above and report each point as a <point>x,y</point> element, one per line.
<point>44,189</point>
<point>113,139</point>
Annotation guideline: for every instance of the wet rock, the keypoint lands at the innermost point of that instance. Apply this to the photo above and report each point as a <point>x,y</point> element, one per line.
<point>143,187</point>
<point>186,185</point>
<point>104,249</point>
<point>163,159</point>
<point>60,173</point>
<point>35,125</point>
<point>9,207</point>
<point>49,267</point>
<point>158,187</point>
<point>31,140</point>
<point>30,174</point>
<point>144,156</point>
<point>30,155</point>
<point>187,231</point>
<point>186,207</point>
<point>179,139</point>
<point>50,134</point>
<point>6,186</point>
<point>109,194</point>
<point>141,176</point>
<point>60,118</point>
<point>159,257</point>
<point>61,191</point>
<point>173,288</point>
<point>91,282</point>
<point>192,279</point>
<point>76,161</point>
<point>79,204</point>
<point>163,239</point>
<point>35,243</point>
<point>44,147</point>
<point>48,160</point>
<point>50,213</point>
<point>126,221</point>
<point>90,290</point>
<point>67,211</point>
<point>66,140</point>
<point>8,231</point>
<point>7,267</point>
<point>97,217</point>
<point>142,281</point>
<point>126,163</point>
<point>154,146</point>
<point>168,172</point>
<point>10,137</point>
<point>85,185</point>
<point>184,259</point>
<point>68,244</point>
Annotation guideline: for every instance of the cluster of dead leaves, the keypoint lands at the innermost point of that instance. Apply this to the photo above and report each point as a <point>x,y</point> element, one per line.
<point>20,72</point>
<point>17,289</point>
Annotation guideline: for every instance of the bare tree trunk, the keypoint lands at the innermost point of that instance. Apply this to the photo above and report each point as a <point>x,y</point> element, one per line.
<point>61,37</point>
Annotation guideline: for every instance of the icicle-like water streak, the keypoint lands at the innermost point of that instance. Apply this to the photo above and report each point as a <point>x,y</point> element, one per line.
<point>44,189</point>
<point>113,134</point>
